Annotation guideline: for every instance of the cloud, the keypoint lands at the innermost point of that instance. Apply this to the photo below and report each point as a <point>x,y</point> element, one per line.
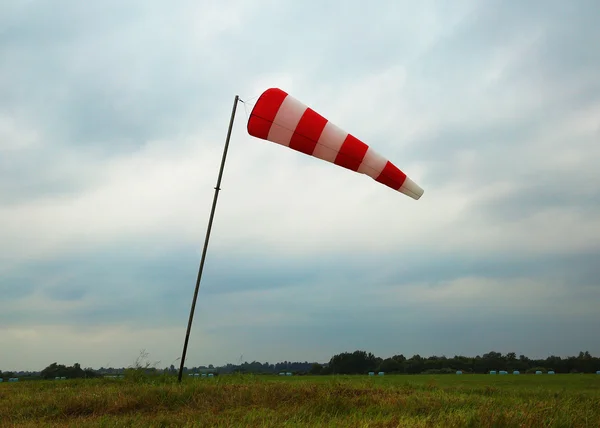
<point>112,121</point>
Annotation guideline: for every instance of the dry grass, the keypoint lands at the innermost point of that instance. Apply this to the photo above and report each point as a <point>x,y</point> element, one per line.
<point>352,401</point>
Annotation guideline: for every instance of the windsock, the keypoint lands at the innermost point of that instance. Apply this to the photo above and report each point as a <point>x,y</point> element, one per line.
<point>280,118</point>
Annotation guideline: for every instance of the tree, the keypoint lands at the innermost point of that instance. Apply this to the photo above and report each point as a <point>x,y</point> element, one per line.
<point>391,365</point>
<point>55,370</point>
<point>354,363</point>
<point>316,369</point>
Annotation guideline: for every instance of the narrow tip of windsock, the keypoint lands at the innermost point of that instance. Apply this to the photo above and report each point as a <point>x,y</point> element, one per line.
<point>412,189</point>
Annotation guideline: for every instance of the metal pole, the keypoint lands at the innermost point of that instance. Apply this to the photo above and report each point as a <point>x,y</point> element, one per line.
<point>210,221</point>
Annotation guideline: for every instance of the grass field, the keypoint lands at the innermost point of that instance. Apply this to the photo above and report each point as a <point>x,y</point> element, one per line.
<point>345,401</point>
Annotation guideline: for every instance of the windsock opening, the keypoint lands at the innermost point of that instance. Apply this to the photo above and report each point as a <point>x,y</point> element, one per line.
<point>412,189</point>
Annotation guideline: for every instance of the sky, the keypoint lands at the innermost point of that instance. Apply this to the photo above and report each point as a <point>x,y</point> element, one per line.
<point>113,117</point>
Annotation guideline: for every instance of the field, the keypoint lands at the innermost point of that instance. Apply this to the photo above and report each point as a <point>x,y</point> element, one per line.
<point>344,401</point>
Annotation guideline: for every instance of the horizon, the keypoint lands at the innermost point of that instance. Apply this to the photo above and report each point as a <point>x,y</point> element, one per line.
<point>113,118</point>
<point>159,366</point>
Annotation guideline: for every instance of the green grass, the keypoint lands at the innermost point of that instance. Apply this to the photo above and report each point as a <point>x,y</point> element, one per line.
<point>346,401</point>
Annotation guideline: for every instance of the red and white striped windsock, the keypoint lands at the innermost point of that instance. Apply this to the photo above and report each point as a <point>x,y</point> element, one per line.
<point>282,119</point>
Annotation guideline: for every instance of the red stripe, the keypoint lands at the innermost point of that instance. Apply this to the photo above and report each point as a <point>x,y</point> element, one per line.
<point>351,153</point>
<point>307,132</point>
<point>391,176</point>
<point>264,112</point>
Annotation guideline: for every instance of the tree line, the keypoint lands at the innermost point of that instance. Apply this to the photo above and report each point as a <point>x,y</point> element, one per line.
<point>362,362</point>
<point>357,362</point>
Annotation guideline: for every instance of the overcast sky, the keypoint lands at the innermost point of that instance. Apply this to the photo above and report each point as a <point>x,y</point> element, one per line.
<point>113,116</point>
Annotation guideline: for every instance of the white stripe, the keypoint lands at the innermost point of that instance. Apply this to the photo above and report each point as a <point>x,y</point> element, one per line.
<point>410,188</point>
<point>372,164</point>
<point>289,114</point>
<point>330,142</point>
